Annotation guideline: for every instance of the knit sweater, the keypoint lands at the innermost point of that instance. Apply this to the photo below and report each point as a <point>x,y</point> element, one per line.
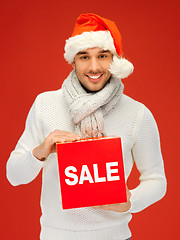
<point>131,121</point>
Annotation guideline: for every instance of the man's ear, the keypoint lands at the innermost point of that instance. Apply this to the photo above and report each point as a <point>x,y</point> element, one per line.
<point>73,64</point>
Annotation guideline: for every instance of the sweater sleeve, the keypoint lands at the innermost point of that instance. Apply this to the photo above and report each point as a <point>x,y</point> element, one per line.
<point>148,159</point>
<point>22,167</point>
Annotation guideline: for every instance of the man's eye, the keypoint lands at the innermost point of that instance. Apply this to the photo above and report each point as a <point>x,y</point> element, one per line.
<point>84,57</point>
<point>102,56</point>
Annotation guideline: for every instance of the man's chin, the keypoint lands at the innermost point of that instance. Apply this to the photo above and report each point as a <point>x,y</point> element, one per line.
<point>94,87</point>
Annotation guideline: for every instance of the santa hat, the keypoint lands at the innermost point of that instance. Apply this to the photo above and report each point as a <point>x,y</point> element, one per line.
<point>92,31</point>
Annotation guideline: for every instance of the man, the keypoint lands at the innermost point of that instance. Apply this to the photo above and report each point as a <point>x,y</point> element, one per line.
<point>91,103</point>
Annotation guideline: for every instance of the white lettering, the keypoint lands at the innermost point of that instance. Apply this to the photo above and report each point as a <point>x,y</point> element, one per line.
<point>110,171</point>
<point>85,175</point>
<point>96,174</point>
<point>71,175</point>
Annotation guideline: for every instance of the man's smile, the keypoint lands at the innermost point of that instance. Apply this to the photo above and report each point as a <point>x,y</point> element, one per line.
<point>94,78</point>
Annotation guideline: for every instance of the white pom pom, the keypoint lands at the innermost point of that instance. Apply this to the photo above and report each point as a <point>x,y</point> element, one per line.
<point>120,67</point>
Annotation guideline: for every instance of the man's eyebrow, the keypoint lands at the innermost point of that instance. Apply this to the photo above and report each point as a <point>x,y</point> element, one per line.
<point>82,52</point>
<point>104,51</point>
<point>101,51</point>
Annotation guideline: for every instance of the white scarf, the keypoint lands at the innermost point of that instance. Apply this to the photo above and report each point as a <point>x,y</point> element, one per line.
<point>88,109</point>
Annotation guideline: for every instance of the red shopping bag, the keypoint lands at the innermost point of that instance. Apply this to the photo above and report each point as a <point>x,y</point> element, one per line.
<point>91,172</point>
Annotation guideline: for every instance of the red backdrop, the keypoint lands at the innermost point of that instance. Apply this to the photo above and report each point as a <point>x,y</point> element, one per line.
<point>31,59</point>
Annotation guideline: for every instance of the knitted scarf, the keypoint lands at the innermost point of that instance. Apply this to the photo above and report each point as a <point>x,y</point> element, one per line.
<point>88,109</point>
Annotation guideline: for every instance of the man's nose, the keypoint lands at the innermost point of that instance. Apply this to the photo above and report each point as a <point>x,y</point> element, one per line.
<point>94,65</point>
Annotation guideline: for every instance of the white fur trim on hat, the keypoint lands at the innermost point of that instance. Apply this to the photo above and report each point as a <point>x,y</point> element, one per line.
<point>120,67</point>
<point>101,39</point>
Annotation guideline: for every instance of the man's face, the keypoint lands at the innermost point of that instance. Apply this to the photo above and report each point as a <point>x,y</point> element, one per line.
<point>92,66</point>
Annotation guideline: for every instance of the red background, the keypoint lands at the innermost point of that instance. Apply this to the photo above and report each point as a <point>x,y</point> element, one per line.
<point>31,60</point>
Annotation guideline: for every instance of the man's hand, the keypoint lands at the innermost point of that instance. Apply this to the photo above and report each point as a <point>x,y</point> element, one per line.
<point>49,144</point>
<point>118,207</point>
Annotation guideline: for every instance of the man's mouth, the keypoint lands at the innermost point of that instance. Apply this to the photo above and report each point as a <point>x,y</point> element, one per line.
<point>94,77</point>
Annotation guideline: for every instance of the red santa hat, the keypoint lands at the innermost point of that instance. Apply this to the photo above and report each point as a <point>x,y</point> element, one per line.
<point>92,31</point>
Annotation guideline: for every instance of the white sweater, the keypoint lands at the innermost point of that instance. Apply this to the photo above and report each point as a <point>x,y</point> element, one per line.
<point>130,120</point>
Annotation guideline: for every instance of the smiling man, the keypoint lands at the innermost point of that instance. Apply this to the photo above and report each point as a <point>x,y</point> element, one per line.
<point>92,68</point>
<point>90,103</point>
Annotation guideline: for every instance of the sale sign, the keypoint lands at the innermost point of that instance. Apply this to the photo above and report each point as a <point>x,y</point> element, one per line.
<point>91,172</point>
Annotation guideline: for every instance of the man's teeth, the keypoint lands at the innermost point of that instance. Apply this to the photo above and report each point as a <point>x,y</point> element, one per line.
<point>94,77</point>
